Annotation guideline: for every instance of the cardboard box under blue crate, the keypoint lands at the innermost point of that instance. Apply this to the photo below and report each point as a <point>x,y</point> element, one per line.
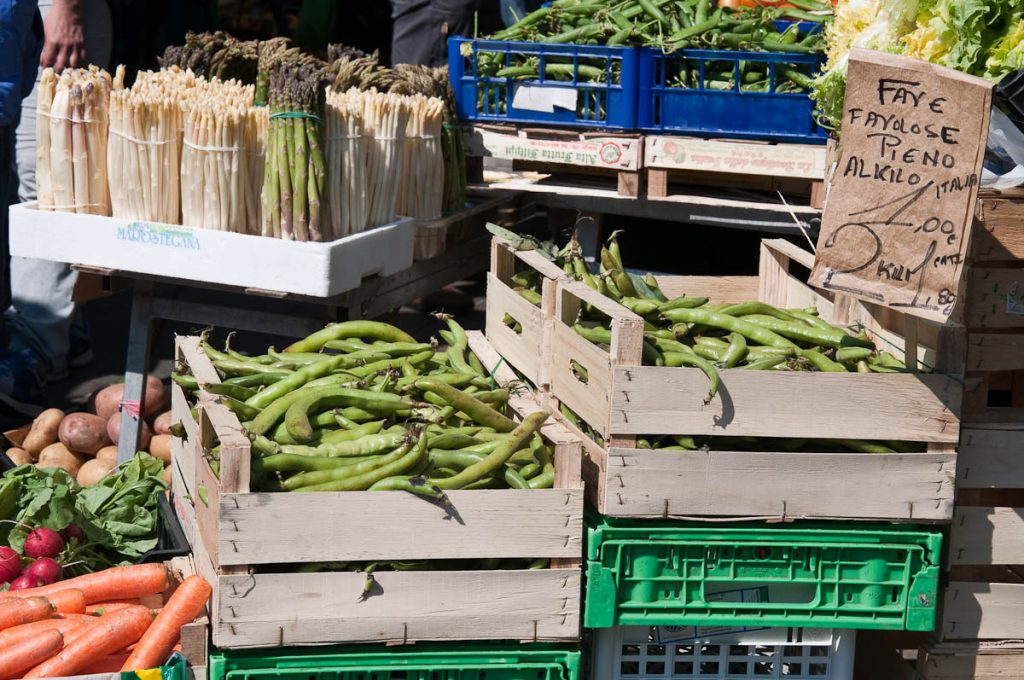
<point>425,661</point>
<point>810,575</point>
<point>727,93</point>
<point>498,81</point>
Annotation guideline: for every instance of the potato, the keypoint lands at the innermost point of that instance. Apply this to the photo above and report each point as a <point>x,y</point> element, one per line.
<point>107,401</point>
<point>44,431</point>
<point>93,471</point>
<point>59,456</point>
<point>83,432</point>
<point>160,447</point>
<point>18,456</point>
<point>107,453</point>
<point>162,423</point>
<point>114,430</point>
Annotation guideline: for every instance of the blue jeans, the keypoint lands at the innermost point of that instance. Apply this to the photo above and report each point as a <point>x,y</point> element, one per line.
<point>40,311</point>
<point>514,10</point>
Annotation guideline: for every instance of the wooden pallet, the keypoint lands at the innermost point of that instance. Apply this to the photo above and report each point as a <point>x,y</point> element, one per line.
<point>622,400</point>
<point>559,152</point>
<point>239,535</point>
<point>793,169</point>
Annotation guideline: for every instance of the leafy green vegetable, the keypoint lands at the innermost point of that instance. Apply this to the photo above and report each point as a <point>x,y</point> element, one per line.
<point>45,499</point>
<point>118,514</point>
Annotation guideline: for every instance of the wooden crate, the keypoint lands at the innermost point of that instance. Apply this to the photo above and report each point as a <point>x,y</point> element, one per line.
<point>434,237</point>
<point>994,314</point>
<point>622,400</point>
<point>242,535</point>
<point>615,156</point>
<point>525,350</point>
<point>797,169</point>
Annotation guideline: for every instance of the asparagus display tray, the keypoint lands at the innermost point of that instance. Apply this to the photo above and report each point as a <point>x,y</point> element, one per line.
<point>243,539</point>
<point>217,257</point>
<point>622,400</point>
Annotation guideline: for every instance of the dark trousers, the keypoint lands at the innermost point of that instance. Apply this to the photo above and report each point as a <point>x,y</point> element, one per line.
<point>8,197</point>
<point>422,28</point>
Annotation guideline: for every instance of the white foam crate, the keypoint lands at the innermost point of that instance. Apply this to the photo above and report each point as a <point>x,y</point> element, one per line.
<point>691,653</point>
<point>216,257</point>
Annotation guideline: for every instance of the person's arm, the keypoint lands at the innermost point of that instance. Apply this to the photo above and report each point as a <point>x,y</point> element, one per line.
<point>65,36</point>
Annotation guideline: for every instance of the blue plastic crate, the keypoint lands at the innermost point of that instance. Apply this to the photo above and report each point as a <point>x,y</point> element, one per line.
<point>480,97</point>
<point>692,106</point>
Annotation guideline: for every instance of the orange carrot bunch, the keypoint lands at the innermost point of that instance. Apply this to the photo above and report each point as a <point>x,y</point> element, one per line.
<point>89,623</point>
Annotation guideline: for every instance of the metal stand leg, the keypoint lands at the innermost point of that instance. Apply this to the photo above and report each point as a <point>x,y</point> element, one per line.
<point>136,366</point>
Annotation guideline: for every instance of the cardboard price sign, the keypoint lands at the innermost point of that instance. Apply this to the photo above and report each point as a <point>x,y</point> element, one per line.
<point>897,223</point>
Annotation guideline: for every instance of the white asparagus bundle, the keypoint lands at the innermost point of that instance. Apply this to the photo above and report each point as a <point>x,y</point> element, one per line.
<point>365,146</point>
<point>421,194</point>
<point>144,146</point>
<point>71,141</point>
<point>222,157</point>
<point>385,120</point>
<point>345,147</point>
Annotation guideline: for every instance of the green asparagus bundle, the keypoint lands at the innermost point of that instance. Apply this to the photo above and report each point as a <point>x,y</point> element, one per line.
<point>293,185</point>
<point>215,55</point>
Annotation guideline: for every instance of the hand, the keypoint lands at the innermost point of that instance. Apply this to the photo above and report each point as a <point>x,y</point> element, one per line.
<point>65,36</point>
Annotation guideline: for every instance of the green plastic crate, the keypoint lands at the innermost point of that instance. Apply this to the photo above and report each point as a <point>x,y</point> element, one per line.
<point>811,575</point>
<point>419,662</point>
<point>175,669</point>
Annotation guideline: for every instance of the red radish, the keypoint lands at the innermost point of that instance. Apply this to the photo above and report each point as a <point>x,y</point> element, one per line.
<point>46,569</point>
<point>10,565</point>
<point>26,581</point>
<point>43,542</point>
<point>73,531</point>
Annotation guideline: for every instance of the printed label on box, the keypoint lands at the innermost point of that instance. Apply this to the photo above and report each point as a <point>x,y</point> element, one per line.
<point>164,235</point>
<point>666,634</point>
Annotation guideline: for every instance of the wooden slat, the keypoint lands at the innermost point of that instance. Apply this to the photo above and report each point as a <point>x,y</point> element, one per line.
<point>971,661</point>
<point>987,301</point>
<point>260,528</point>
<point>718,289</point>
<point>982,536</point>
<point>995,352</point>
<point>285,609</point>
<point>778,485</point>
<point>983,611</point>
<point>999,236</point>
<point>991,459</point>
<point>523,350</point>
<point>656,400</point>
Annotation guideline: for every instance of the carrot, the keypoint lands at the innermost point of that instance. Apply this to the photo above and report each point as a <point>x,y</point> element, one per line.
<point>109,664</point>
<point>68,601</point>
<point>16,612</point>
<point>108,635</point>
<point>116,583</point>
<point>101,608</point>
<point>23,655</point>
<point>27,630</point>
<point>183,607</point>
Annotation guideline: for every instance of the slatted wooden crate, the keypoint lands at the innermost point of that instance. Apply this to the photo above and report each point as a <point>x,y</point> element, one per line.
<point>590,156</point>
<point>519,330</point>
<point>795,169</point>
<point>240,536</point>
<point>622,400</point>
<point>994,314</point>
